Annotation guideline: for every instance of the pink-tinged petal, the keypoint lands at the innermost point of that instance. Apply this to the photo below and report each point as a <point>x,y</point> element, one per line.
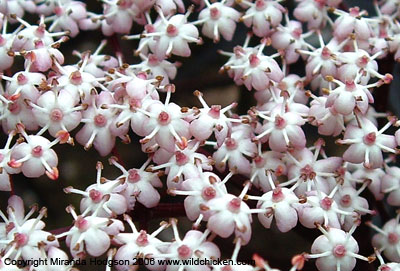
<point>201,128</point>
<point>97,242</point>
<point>18,206</point>
<point>355,153</point>
<point>265,220</point>
<point>285,216</point>
<point>345,103</point>
<point>148,195</point>
<point>104,142</point>
<point>328,165</point>
<point>222,224</point>
<point>277,142</point>
<point>296,136</point>
<point>5,184</point>
<point>192,208</point>
<point>227,28</point>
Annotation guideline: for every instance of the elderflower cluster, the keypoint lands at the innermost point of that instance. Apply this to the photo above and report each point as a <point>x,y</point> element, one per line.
<point>202,155</point>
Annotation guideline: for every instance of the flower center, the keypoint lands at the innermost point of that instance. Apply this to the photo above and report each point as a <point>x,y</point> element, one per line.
<point>280,122</point>
<point>164,118</point>
<point>346,200</point>
<point>142,239</point>
<point>355,11</point>
<point>76,78</point>
<point>133,176</point>
<point>350,85</point>
<point>393,238</point>
<point>259,161</point>
<point>254,60</point>
<point>215,111</point>
<point>184,252</point>
<point>100,120</point>
<point>37,151</point>
<point>339,251</point>
<point>307,173</point>
<point>326,203</point>
<point>181,158</point>
<point>95,195</point>
<point>260,5</point>
<point>21,79</point>
<point>363,61</point>
<point>14,108</point>
<point>215,13</point>
<point>82,224</point>
<point>208,193</point>
<point>172,31</point>
<point>369,139</point>
<point>56,114</point>
<point>21,239</point>
<point>277,194</point>
<point>326,53</point>
<point>231,143</point>
<point>234,205</point>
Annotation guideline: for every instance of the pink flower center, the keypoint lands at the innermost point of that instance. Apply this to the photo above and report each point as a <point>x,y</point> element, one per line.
<point>124,4</point>
<point>58,11</point>
<point>259,161</point>
<point>40,30</point>
<point>21,239</point>
<point>234,205</point>
<point>307,173</point>
<point>215,111</point>
<point>133,176</point>
<point>297,33</point>
<point>37,151</point>
<point>56,114</point>
<point>345,200</point>
<point>149,28</point>
<point>355,11</point>
<point>369,139</point>
<point>172,31</point>
<point>38,44</point>
<point>82,224</point>
<point>208,193</point>
<point>21,79</point>
<point>95,195</point>
<point>326,203</point>
<point>153,60</point>
<point>181,158</point>
<point>393,238</point>
<point>339,251</point>
<point>321,3</point>
<point>326,53</point>
<point>14,108</point>
<point>231,143</point>
<point>164,118</point>
<point>75,78</point>
<point>100,120</point>
<point>215,13</point>
<point>260,5</point>
<point>363,61</point>
<point>184,252</point>
<point>134,103</point>
<point>277,194</point>
<point>254,60</point>
<point>350,85</point>
<point>280,122</point>
<point>142,239</point>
